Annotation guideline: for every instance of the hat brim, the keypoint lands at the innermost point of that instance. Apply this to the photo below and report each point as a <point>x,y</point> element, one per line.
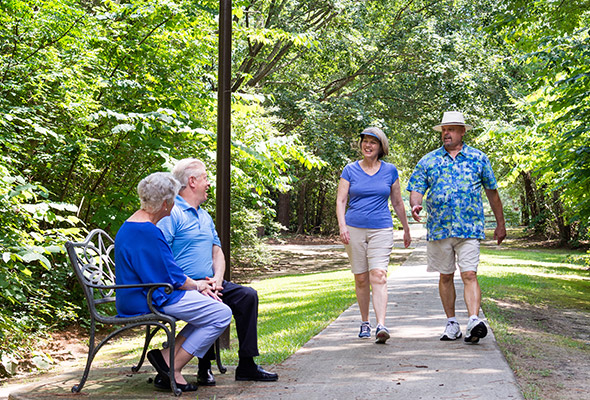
<point>439,127</point>
<point>370,134</point>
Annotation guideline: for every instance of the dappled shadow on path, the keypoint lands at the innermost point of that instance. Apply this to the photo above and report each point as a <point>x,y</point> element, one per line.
<point>414,363</point>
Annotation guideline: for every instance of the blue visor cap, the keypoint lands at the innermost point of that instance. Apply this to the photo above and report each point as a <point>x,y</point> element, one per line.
<point>370,134</point>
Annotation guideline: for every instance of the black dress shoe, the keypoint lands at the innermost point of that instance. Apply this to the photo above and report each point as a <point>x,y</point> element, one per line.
<point>255,374</point>
<point>205,377</point>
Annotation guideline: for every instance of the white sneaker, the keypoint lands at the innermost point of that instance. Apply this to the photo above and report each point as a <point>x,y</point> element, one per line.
<point>452,331</point>
<point>476,329</point>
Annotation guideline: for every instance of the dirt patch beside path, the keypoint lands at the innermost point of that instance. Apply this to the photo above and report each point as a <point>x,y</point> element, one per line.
<point>548,350</point>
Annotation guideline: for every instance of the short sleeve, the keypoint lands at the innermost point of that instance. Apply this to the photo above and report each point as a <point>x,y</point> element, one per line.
<point>394,174</point>
<point>346,173</point>
<point>214,235</point>
<point>418,182</point>
<point>488,178</point>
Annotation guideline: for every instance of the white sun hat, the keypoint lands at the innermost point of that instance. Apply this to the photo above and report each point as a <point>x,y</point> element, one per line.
<point>452,118</point>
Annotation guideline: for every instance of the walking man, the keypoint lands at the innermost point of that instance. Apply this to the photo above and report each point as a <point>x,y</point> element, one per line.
<point>453,175</point>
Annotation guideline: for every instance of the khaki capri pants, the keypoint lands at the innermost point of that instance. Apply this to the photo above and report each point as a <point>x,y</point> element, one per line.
<point>369,248</point>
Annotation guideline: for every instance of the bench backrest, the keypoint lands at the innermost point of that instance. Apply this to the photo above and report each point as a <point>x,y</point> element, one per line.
<point>93,263</point>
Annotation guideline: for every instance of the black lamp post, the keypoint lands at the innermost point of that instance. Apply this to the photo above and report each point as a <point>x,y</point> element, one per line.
<point>224,131</point>
<point>224,140</point>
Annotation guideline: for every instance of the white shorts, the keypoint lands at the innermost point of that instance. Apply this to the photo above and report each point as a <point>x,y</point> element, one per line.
<point>446,255</point>
<point>369,249</point>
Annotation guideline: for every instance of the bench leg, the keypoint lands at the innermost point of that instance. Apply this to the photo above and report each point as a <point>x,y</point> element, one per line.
<point>148,338</point>
<point>91,353</point>
<point>171,335</point>
<point>222,368</point>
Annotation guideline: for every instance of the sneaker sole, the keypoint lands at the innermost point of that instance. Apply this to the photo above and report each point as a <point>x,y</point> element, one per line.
<point>365,337</point>
<point>479,331</point>
<point>445,338</point>
<point>382,337</point>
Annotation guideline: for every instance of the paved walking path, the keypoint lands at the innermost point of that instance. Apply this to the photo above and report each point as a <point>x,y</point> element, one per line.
<point>336,364</point>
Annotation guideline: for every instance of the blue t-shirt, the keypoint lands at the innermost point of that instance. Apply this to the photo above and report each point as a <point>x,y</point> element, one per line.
<point>191,235</point>
<point>143,256</point>
<point>368,202</point>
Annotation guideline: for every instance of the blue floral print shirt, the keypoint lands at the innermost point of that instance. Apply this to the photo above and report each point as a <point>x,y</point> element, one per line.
<point>454,203</point>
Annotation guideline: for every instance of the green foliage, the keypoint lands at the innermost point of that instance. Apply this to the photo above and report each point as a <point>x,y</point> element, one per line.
<point>94,96</point>
<point>550,133</point>
<point>34,276</point>
<point>563,112</point>
<point>394,64</point>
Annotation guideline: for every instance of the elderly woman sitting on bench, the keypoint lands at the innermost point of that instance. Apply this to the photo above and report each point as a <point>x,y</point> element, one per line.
<point>142,255</point>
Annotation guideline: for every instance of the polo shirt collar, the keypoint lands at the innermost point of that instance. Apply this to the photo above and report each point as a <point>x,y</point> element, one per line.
<point>465,150</point>
<point>183,204</point>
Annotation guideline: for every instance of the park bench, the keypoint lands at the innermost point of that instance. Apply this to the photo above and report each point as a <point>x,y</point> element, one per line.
<point>94,266</point>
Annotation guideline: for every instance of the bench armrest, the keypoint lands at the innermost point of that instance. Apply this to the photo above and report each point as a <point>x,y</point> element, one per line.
<point>168,288</point>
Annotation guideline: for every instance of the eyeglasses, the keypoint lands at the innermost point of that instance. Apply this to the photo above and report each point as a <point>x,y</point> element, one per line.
<point>204,176</point>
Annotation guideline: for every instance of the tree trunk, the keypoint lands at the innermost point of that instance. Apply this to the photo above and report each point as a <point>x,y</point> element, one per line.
<point>565,230</point>
<point>544,207</point>
<point>301,208</point>
<point>525,216</point>
<point>529,192</point>
<point>284,209</point>
<point>319,210</point>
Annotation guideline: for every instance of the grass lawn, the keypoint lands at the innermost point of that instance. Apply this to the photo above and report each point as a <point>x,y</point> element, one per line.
<point>538,305</point>
<point>292,310</point>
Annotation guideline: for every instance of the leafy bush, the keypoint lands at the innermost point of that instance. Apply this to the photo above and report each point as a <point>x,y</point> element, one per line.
<point>34,290</point>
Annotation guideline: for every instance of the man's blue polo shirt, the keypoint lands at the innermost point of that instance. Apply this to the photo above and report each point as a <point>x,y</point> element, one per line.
<point>454,202</point>
<point>191,235</point>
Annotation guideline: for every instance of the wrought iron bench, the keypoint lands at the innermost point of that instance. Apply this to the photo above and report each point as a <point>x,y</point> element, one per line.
<point>93,263</point>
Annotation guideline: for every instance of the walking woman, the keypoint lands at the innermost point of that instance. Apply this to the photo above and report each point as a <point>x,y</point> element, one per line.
<point>366,228</point>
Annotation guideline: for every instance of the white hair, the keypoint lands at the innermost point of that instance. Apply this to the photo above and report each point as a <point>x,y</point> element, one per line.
<point>186,168</point>
<point>156,188</point>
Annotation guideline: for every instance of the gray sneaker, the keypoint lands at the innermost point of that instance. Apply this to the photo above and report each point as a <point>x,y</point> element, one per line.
<point>452,331</point>
<point>476,329</point>
<point>365,330</point>
<point>382,334</point>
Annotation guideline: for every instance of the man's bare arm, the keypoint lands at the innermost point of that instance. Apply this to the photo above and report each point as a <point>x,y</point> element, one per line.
<point>497,209</point>
<point>416,204</point>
